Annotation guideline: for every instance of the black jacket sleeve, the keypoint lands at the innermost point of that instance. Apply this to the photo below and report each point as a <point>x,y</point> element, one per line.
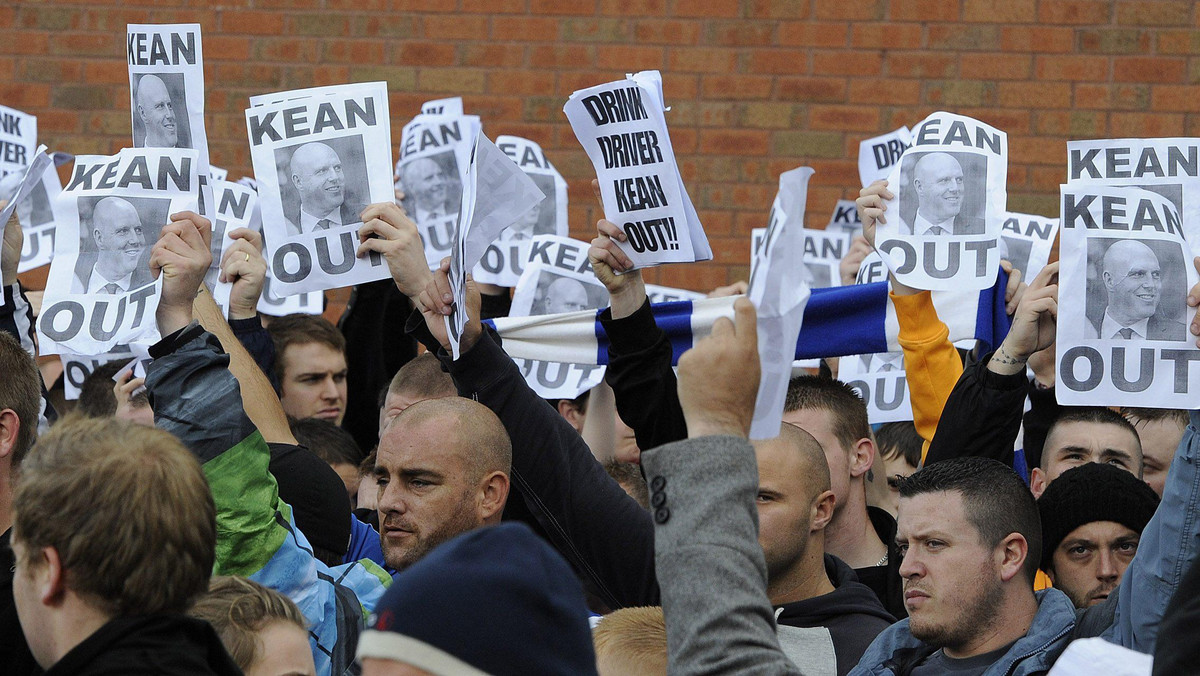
<point>257,341</point>
<point>1177,651</point>
<point>639,371</point>
<point>1043,411</point>
<point>982,416</point>
<point>585,514</point>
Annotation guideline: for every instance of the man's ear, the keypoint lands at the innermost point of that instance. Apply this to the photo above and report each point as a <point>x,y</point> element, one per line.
<point>822,511</point>
<point>10,428</point>
<point>571,413</point>
<point>493,495</point>
<point>1037,482</point>
<point>49,579</point>
<point>1010,555</point>
<point>862,457</point>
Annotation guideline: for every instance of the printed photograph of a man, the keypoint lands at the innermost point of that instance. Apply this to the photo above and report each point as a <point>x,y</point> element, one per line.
<point>111,248</point>
<point>316,194</point>
<point>160,112</point>
<point>431,187</point>
<point>1133,281</point>
<point>941,186</point>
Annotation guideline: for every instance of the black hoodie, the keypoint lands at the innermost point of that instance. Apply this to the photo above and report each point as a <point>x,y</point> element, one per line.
<point>149,644</point>
<point>851,612</point>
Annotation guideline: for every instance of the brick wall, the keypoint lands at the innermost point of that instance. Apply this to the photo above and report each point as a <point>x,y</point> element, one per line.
<point>757,86</point>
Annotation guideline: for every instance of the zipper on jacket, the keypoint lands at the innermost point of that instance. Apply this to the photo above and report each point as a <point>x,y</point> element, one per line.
<point>1011,667</point>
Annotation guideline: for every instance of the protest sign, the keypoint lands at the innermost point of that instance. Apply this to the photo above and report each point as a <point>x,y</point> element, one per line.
<point>1128,253</point>
<point>622,127</point>
<point>166,87</point>
<point>845,218</point>
<point>779,290</point>
<point>217,173</point>
<point>558,279</point>
<point>311,303</point>
<point>1167,166</point>
<point>1026,241</point>
<point>18,140</point>
<point>100,292</point>
<point>880,380</point>
<point>823,251</point>
<point>36,214</point>
<point>18,147</point>
<point>497,193</point>
<point>435,151</point>
<point>76,368</point>
<point>236,207</point>
<point>943,226</point>
<point>452,106</point>
<point>877,156</point>
<point>27,194</point>
<point>504,259</point>
<point>666,294</point>
<point>319,161</point>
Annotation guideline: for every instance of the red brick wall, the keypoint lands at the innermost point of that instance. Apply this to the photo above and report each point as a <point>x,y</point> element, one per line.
<point>757,86</point>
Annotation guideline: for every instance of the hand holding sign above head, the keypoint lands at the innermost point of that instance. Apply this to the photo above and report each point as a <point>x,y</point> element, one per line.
<point>860,248</point>
<point>1193,300</point>
<point>10,257</point>
<point>718,378</point>
<point>180,256</point>
<point>435,302</point>
<point>244,266</point>
<point>626,291</point>
<point>872,203</point>
<point>388,231</point>
<point>1033,326</point>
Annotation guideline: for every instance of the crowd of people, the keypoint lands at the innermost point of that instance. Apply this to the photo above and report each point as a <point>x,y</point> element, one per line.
<point>285,496</point>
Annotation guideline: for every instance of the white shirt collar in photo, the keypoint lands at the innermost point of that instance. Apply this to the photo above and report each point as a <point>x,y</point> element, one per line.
<point>308,222</point>
<point>97,282</point>
<point>424,216</point>
<point>1110,328</point>
<point>896,359</point>
<point>923,226</point>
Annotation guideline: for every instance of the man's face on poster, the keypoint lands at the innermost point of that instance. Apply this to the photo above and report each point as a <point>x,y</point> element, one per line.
<point>157,113</point>
<point>938,182</point>
<point>117,229</point>
<point>317,176</point>
<point>426,182</point>
<point>566,295</point>
<point>526,224</point>
<point>1133,280</point>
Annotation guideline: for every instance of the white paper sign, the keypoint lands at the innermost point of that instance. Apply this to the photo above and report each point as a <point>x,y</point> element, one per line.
<point>1026,241</point>
<point>1126,253</point>
<point>452,106</point>
<point>877,156</point>
<point>18,139</point>
<point>100,292</point>
<point>311,303</point>
<point>166,87</point>
<point>845,218</point>
<point>217,173</point>
<point>319,161</point>
<point>504,259</point>
<point>880,380</point>
<point>1167,166</point>
<point>76,368</point>
<point>779,290</point>
<point>497,194</point>
<point>622,127</point>
<point>666,294</point>
<point>18,187</point>
<point>435,151</point>
<point>558,279</point>
<point>236,207</point>
<point>943,227</point>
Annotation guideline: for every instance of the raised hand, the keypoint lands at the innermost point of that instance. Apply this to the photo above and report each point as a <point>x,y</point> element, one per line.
<point>718,378</point>
<point>244,266</point>
<point>388,231</point>
<point>181,257</point>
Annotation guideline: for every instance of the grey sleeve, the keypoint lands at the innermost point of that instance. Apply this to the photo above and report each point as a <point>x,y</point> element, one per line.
<point>710,567</point>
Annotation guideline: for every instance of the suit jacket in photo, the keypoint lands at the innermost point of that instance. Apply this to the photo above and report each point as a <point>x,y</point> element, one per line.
<point>351,209</point>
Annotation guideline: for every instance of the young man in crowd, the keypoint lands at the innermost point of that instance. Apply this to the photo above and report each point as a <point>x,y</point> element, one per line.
<point>418,380</point>
<point>263,630</point>
<point>311,367</point>
<point>1159,431</point>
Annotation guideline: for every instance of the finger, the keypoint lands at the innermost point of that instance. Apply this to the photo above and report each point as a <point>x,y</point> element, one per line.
<point>607,227</point>
<point>723,327</point>
<point>596,192</point>
<point>1006,265</point>
<point>202,224</point>
<point>249,236</point>
<point>746,322</point>
<point>604,257</point>
<point>426,302</point>
<point>1043,278</point>
<point>614,252</point>
<point>442,282</point>
<point>193,237</point>
<point>439,295</point>
<point>377,228</point>
<point>1193,298</point>
<point>371,244</point>
<point>134,384</point>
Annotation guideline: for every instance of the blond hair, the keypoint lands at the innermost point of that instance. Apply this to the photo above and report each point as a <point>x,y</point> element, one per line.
<point>127,509</point>
<point>632,640</point>
<point>239,609</point>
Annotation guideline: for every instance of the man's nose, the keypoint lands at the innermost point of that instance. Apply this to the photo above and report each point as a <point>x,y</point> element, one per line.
<point>1107,570</point>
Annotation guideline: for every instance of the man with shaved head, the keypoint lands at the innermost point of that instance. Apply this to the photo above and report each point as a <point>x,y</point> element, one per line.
<point>426,189</point>
<point>937,181</point>
<point>316,173</point>
<point>442,468</point>
<point>565,295</point>
<point>1133,280</point>
<point>156,112</point>
<point>117,232</point>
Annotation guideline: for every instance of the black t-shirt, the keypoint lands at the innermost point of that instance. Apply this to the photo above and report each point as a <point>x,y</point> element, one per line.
<point>15,657</point>
<point>939,663</point>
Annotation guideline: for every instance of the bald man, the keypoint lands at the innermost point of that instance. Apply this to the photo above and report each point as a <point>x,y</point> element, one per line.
<point>157,113</point>
<point>117,232</point>
<point>426,187</point>
<point>566,295</point>
<point>1133,280</point>
<point>315,171</point>
<point>442,468</point>
<point>937,181</point>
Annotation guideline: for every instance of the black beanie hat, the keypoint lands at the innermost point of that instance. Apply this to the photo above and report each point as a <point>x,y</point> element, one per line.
<point>1090,493</point>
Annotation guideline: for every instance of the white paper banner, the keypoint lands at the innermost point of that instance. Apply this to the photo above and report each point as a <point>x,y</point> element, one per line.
<point>319,161</point>
<point>1026,241</point>
<point>1125,253</point>
<point>943,227</point>
<point>237,207</point>
<point>845,218</point>
<point>666,294</point>
<point>76,368</point>
<point>880,380</point>
<point>18,139</point>
<point>100,292</point>
<point>166,87</point>
<point>877,156</point>
<point>504,259</point>
<point>622,127</point>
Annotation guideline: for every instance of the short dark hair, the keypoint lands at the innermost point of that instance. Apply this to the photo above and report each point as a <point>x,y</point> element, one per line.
<point>20,391</point>
<point>1136,415</point>
<point>1096,415</point>
<point>96,398</point>
<point>422,377</point>
<point>998,503</point>
<point>630,477</point>
<point>327,441</point>
<point>839,399</point>
<point>301,329</point>
<point>900,439</point>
